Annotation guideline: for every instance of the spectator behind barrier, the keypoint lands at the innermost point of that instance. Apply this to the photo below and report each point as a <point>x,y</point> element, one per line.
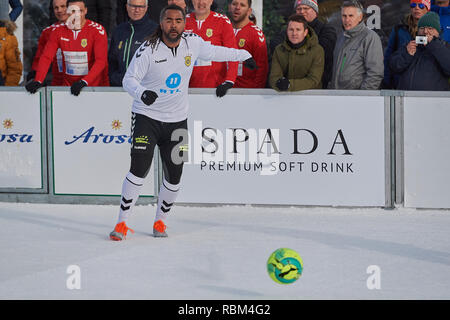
<point>252,39</point>
<point>326,33</point>
<point>442,8</point>
<point>84,46</point>
<point>216,29</point>
<point>10,64</point>
<point>358,55</point>
<point>424,66</point>
<point>16,7</point>
<point>181,3</point>
<point>298,62</point>
<point>400,35</point>
<point>100,11</point>
<point>60,11</point>
<point>127,38</point>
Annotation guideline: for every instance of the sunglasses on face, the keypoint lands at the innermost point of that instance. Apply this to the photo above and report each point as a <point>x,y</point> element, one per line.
<point>420,5</point>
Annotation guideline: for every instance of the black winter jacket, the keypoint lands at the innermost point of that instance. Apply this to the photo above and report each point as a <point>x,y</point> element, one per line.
<point>126,39</point>
<point>428,69</point>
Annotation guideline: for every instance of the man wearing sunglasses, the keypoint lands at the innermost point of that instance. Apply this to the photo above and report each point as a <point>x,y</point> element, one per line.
<point>400,36</point>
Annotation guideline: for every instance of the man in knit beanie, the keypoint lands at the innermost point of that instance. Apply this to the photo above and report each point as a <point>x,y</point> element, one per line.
<point>429,26</point>
<point>309,9</point>
<point>310,3</point>
<point>424,66</point>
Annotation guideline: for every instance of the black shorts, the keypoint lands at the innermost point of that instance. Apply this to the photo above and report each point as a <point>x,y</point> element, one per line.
<point>170,137</point>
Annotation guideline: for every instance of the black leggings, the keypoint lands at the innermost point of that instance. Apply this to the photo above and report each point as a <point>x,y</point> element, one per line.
<point>172,140</point>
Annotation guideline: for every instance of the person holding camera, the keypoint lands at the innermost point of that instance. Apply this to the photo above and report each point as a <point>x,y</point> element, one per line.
<point>400,36</point>
<point>424,63</point>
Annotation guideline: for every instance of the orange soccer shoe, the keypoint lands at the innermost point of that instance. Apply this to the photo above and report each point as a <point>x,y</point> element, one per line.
<point>120,232</point>
<point>159,229</point>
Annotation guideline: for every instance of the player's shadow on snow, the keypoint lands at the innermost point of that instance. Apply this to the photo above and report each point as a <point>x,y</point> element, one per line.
<point>340,241</point>
<point>56,222</point>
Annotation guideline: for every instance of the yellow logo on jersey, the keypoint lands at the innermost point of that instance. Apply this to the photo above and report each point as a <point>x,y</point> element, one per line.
<point>120,45</point>
<point>209,33</point>
<point>241,42</point>
<point>187,61</point>
<point>84,43</point>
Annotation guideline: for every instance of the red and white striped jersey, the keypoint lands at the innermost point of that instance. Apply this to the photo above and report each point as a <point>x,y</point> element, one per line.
<point>57,63</point>
<point>252,39</point>
<point>217,30</point>
<point>84,53</point>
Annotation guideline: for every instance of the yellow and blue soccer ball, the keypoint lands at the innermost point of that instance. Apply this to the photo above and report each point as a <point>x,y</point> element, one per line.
<point>285,266</point>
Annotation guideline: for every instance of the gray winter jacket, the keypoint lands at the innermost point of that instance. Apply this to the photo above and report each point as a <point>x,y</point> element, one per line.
<point>357,60</point>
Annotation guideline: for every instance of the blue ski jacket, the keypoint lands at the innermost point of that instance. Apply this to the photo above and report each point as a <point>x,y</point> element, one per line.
<point>126,39</point>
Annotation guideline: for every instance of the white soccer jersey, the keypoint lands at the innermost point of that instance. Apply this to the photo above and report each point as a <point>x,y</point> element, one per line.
<point>167,71</point>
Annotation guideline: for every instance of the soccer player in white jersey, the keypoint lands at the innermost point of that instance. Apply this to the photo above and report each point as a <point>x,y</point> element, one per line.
<point>158,80</point>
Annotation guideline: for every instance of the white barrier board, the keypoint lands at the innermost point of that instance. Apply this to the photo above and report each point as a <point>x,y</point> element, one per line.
<point>91,143</point>
<point>427,152</point>
<point>294,150</point>
<point>20,140</point>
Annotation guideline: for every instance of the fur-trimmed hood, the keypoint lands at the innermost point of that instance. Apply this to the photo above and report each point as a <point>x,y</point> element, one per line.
<point>10,26</point>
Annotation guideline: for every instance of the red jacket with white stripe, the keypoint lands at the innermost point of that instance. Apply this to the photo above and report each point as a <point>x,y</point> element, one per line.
<point>252,39</point>
<point>57,63</point>
<point>217,30</point>
<point>84,53</point>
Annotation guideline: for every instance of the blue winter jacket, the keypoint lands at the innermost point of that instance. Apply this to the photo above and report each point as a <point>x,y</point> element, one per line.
<point>398,38</point>
<point>444,13</point>
<point>428,69</point>
<point>126,39</point>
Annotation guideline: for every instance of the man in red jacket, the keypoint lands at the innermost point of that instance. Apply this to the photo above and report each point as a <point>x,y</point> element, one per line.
<point>84,48</point>
<point>252,39</point>
<point>216,29</point>
<point>60,11</point>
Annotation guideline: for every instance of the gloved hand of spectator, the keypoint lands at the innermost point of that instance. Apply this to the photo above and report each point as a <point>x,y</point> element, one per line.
<point>222,89</point>
<point>33,86</point>
<point>250,63</point>
<point>148,97</point>
<point>76,87</point>
<point>31,75</point>
<point>283,84</point>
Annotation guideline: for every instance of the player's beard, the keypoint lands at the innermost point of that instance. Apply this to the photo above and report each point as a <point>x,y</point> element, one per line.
<point>239,19</point>
<point>169,37</point>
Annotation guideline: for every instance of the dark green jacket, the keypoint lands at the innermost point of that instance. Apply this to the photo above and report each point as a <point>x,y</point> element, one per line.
<point>303,66</point>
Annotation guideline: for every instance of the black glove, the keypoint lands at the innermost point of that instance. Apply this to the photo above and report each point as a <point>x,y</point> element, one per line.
<point>31,75</point>
<point>283,84</point>
<point>76,87</point>
<point>148,97</point>
<point>222,89</point>
<point>250,63</point>
<point>33,86</point>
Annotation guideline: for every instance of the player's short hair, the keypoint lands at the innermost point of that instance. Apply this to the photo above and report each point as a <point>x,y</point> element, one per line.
<point>354,4</point>
<point>146,2</point>
<point>53,3</point>
<point>70,1</point>
<point>298,18</point>
<point>171,7</point>
<point>248,1</point>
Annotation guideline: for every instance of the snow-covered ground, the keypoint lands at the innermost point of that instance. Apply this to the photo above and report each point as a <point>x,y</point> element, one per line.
<point>221,253</point>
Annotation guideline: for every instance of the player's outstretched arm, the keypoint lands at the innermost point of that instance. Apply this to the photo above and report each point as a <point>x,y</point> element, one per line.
<point>211,52</point>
